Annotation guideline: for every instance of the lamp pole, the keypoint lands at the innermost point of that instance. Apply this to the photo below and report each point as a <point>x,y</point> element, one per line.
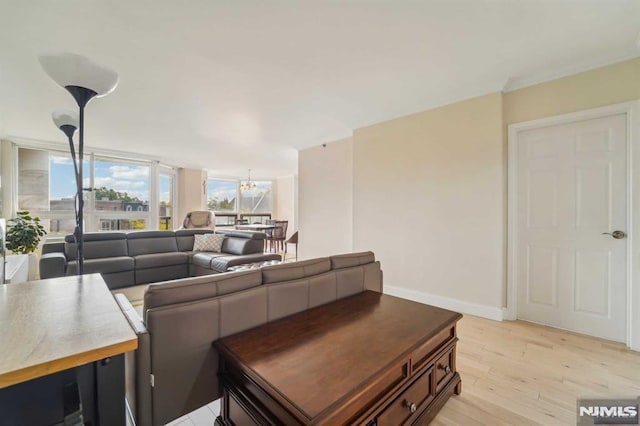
<point>84,80</point>
<point>82,95</point>
<point>68,122</point>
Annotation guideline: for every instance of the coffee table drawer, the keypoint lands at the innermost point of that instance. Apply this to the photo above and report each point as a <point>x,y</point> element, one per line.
<point>444,368</point>
<point>408,402</point>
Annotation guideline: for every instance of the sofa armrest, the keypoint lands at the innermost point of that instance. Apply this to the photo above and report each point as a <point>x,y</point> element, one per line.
<point>137,366</point>
<point>53,265</point>
<point>137,324</point>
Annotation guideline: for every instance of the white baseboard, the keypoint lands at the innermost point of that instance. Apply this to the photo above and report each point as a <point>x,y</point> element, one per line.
<point>483,311</point>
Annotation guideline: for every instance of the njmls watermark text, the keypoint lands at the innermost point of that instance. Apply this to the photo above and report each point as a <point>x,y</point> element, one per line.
<point>608,411</point>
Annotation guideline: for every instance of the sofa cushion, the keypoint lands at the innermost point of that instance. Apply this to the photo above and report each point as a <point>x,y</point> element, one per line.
<point>161,273</point>
<point>351,259</point>
<point>287,299</point>
<point>147,242</point>
<point>98,245</point>
<point>184,237</point>
<point>158,260</point>
<point>52,265</point>
<point>323,289</point>
<point>295,270</point>
<point>106,265</point>
<point>251,235</point>
<point>203,258</point>
<point>241,246</point>
<point>243,310</point>
<point>210,242</point>
<point>198,288</point>
<point>119,279</point>
<point>350,281</point>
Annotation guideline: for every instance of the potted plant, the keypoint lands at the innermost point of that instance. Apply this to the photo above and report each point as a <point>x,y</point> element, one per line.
<point>23,237</point>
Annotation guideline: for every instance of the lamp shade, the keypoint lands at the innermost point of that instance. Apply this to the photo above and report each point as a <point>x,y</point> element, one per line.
<point>65,118</point>
<point>70,69</point>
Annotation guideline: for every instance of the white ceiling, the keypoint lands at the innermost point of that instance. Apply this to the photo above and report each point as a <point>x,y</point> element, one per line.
<point>237,84</point>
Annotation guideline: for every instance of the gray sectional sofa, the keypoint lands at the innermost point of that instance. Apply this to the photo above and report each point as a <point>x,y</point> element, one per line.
<point>174,370</point>
<point>142,257</point>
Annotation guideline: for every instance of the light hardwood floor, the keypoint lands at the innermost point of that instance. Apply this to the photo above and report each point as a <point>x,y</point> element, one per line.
<point>518,373</point>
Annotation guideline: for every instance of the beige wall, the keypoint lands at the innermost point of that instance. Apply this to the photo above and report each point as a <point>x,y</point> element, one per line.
<point>608,85</point>
<point>429,190</point>
<point>285,206</point>
<point>325,199</point>
<point>429,200</point>
<point>191,192</point>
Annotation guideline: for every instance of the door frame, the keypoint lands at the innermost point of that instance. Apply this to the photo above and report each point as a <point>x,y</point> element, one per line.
<point>632,112</point>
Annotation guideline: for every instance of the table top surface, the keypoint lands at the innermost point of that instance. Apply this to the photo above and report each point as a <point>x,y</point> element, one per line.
<point>319,348</point>
<point>52,325</point>
<point>255,226</point>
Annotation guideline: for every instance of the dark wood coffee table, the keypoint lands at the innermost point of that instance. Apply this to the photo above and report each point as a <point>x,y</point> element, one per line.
<point>369,359</point>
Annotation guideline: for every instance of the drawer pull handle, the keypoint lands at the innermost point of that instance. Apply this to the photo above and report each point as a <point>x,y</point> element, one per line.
<point>444,367</point>
<point>411,406</point>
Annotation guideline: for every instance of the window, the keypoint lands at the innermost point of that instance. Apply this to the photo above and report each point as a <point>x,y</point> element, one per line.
<point>47,188</point>
<point>259,200</point>
<point>120,186</point>
<point>255,205</point>
<point>62,186</point>
<point>121,194</point>
<point>120,198</point>
<point>221,196</point>
<point>165,207</point>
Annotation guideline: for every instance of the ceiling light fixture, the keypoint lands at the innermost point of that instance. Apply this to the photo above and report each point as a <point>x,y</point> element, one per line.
<point>248,185</point>
<point>85,80</point>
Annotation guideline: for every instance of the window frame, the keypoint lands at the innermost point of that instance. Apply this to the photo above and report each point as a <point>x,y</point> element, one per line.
<point>236,203</point>
<point>91,215</point>
<point>237,214</point>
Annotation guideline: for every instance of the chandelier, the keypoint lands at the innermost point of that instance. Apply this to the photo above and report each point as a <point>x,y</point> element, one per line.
<point>248,185</point>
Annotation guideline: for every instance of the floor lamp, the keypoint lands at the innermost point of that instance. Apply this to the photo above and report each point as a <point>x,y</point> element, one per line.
<point>85,80</point>
<point>68,122</point>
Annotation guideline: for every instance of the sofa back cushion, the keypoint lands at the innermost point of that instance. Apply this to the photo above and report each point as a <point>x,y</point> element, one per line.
<point>243,310</point>
<point>147,242</point>
<point>198,288</point>
<point>295,270</point>
<point>98,245</point>
<point>241,246</point>
<point>184,237</point>
<point>352,259</point>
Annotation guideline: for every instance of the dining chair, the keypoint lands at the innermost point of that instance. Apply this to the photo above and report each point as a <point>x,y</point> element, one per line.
<point>278,235</point>
<point>292,240</point>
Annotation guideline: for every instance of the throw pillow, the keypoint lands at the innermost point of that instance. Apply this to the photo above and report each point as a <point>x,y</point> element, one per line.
<point>208,242</point>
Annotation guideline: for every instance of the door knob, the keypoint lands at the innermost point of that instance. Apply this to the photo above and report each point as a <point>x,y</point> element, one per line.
<point>616,234</point>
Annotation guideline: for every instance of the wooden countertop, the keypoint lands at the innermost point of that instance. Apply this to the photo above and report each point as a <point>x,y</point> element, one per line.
<point>52,325</point>
<point>322,357</point>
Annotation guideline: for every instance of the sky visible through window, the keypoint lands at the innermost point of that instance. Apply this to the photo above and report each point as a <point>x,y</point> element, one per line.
<point>165,188</point>
<point>121,177</point>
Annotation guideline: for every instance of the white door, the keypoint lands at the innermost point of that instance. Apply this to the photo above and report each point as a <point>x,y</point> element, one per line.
<point>572,189</point>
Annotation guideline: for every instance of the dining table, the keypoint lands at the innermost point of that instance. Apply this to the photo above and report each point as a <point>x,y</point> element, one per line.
<point>255,227</point>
